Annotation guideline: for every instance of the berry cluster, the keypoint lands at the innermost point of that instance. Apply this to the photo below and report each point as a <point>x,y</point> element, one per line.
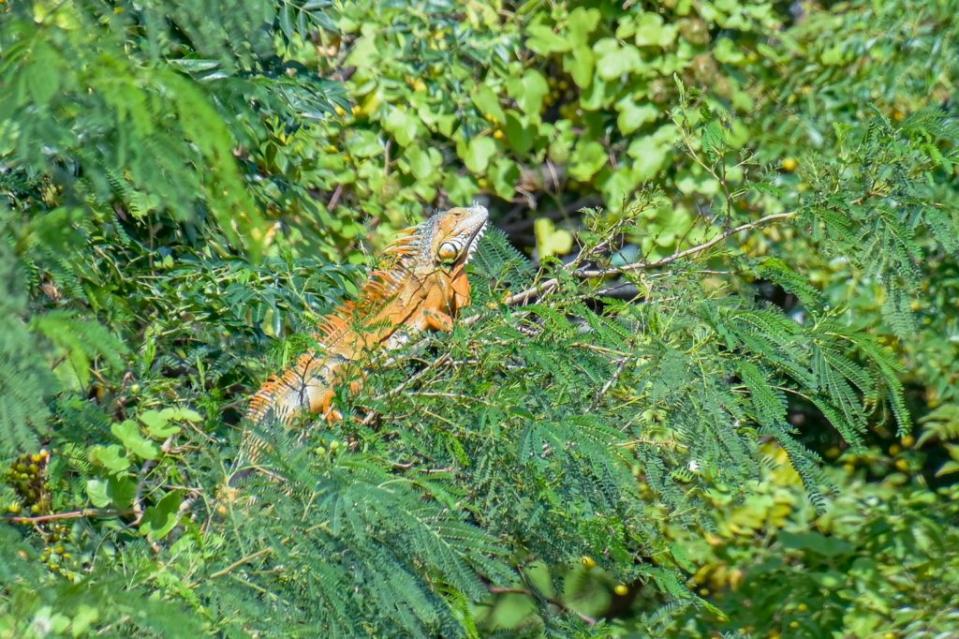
<point>27,475</point>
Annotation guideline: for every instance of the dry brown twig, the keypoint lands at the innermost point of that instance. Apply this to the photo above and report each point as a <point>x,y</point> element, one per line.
<point>548,286</point>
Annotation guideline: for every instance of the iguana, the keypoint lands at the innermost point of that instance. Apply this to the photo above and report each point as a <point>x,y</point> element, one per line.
<point>419,286</point>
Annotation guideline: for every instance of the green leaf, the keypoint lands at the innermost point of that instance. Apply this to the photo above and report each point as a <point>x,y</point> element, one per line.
<point>157,423</point>
<point>363,144</point>
<point>402,125</point>
<point>543,40</point>
<point>129,433</point>
<point>832,56</point>
<point>97,492</point>
<point>594,97</point>
<point>122,491</point>
<point>727,51</point>
<point>587,158</point>
<point>529,91</point>
<point>650,31</point>
<point>160,519</point>
<point>115,491</point>
<point>424,164</point>
<point>632,116</point>
<point>487,102</point>
<point>713,138</point>
<point>551,240</point>
<point>504,176</point>
<point>519,135</point>
<point>650,152</point>
<point>83,618</point>
<point>579,65</point>
<point>112,457</point>
<point>617,185</point>
<point>614,61</point>
<point>478,153</point>
<point>581,23</point>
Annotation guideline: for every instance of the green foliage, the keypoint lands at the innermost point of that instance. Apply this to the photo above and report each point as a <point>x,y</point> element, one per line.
<point>879,562</point>
<point>600,443</point>
<point>23,411</point>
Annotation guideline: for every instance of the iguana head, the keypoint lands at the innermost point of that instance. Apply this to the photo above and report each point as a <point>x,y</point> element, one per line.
<point>452,236</point>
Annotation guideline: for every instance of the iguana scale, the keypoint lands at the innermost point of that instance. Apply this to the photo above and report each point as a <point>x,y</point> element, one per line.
<point>419,286</point>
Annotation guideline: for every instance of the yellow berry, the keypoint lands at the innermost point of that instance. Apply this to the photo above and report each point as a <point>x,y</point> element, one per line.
<point>419,85</point>
<point>588,562</point>
<point>895,449</point>
<point>736,577</point>
<point>908,441</point>
<point>340,111</point>
<point>789,164</point>
<point>498,134</point>
<point>902,465</point>
<point>793,624</point>
<point>802,607</point>
<point>621,589</point>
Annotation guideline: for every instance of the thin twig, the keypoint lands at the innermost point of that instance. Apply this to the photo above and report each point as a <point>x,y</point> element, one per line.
<point>73,514</point>
<point>440,361</point>
<point>335,198</point>
<point>620,367</point>
<point>239,562</point>
<point>551,284</point>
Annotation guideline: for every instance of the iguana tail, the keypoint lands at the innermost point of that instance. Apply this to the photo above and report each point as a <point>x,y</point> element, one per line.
<point>307,386</point>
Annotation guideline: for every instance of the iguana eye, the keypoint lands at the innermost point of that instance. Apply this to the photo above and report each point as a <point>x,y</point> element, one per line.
<point>447,252</point>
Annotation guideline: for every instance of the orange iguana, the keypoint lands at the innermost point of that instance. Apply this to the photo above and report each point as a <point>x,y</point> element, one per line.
<point>420,286</point>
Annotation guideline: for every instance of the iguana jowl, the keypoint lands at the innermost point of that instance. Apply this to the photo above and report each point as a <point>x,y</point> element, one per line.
<point>420,286</point>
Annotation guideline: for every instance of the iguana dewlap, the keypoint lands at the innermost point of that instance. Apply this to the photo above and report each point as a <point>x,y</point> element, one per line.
<point>420,286</point>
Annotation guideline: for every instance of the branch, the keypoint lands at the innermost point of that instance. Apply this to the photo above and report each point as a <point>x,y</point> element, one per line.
<point>239,562</point>
<point>551,284</point>
<point>335,198</point>
<point>73,514</point>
